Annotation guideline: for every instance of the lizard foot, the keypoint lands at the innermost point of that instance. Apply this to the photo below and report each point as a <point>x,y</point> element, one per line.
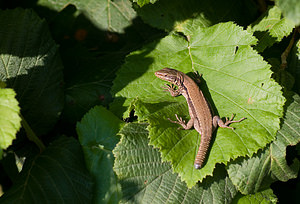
<point>179,121</point>
<point>229,121</point>
<point>172,89</point>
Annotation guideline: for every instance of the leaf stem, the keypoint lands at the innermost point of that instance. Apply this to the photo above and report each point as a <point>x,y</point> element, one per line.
<point>31,135</point>
<point>285,54</point>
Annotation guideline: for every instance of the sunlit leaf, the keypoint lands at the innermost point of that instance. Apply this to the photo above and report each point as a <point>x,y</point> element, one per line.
<point>237,80</point>
<point>146,179</point>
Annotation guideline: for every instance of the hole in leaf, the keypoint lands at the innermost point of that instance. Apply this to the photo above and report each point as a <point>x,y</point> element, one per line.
<point>131,117</point>
<point>236,49</point>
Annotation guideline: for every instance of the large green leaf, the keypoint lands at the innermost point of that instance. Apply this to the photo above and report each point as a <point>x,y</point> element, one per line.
<point>271,28</point>
<point>10,121</point>
<point>238,81</point>
<point>58,175</point>
<point>146,179</point>
<point>31,66</point>
<point>191,14</point>
<point>98,136</point>
<point>291,9</point>
<point>113,16</point>
<point>250,175</point>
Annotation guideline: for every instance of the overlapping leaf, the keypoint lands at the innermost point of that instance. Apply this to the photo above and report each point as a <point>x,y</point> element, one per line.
<point>271,28</point>
<point>98,135</point>
<point>144,2</point>
<point>191,14</point>
<point>58,175</point>
<point>30,64</point>
<point>294,65</point>
<point>291,9</point>
<point>113,16</point>
<point>146,179</point>
<point>10,121</point>
<point>90,85</point>
<point>238,81</point>
<point>250,175</point>
<point>263,197</point>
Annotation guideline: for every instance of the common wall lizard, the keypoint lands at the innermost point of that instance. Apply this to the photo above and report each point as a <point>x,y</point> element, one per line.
<point>199,109</point>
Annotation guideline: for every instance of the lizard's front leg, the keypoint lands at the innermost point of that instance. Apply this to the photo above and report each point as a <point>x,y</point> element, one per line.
<point>181,122</point>
<point>171,88</point>
<point>217,121</point>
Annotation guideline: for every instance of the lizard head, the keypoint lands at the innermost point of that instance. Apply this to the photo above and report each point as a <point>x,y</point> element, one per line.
<point>170,75</point>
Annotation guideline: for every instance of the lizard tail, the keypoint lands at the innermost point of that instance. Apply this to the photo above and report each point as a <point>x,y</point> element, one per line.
<point>199,160</point>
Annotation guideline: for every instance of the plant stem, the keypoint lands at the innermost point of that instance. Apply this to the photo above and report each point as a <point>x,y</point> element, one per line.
<point>285,54</point>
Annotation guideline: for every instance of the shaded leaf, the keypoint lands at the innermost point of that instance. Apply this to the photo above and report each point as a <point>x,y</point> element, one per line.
<point>58,175</point>
<point>97,135</point>
<point>289,134</point>
<point>294,65</point>
<point>191,14</point>
<point>10,121</point>
<point>281,76</point>
<point>250,175</point>
<point>113,16</point>
<point>271,28</point>
<point>291,9</point>
<point>31,66</point>
<point>263,197</point>
<point>222,53</point>
<point>144,2</point>
<point>90,85</point>
<point>146,179</point>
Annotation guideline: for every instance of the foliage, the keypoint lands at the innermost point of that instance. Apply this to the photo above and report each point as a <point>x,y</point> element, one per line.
<point>72,72</point>
<point>241,67</point>
<point>97,135</point>
<point>10,121</point>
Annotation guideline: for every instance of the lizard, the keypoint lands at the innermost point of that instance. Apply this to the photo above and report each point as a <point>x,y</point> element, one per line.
<point>200,112</point>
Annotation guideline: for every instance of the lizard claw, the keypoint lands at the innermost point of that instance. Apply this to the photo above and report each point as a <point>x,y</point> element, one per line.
<point>167,87</point>
<point>172,121</point>
<point>172,89</point>
<point>229,121</point>
<point>179,121</point>
<point>197,77</point>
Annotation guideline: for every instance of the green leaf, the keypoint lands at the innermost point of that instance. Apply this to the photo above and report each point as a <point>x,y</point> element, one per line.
<point>191,14</point>
<point>281,76</point>
<point>90,85</point>
<point>97,135</point>
<point>289,134</point>
<point>294,65</point>
<point>58,175</point>
<point>10,121</point>
<point>238,81</point>
<point>146,179</point>
<point>271,28</point>
<point>251,174</point>
<point>144,2</point>
<point>113,16</point>
<point>264,197</point>
<point>291,9</point>
<point>31,66</point>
